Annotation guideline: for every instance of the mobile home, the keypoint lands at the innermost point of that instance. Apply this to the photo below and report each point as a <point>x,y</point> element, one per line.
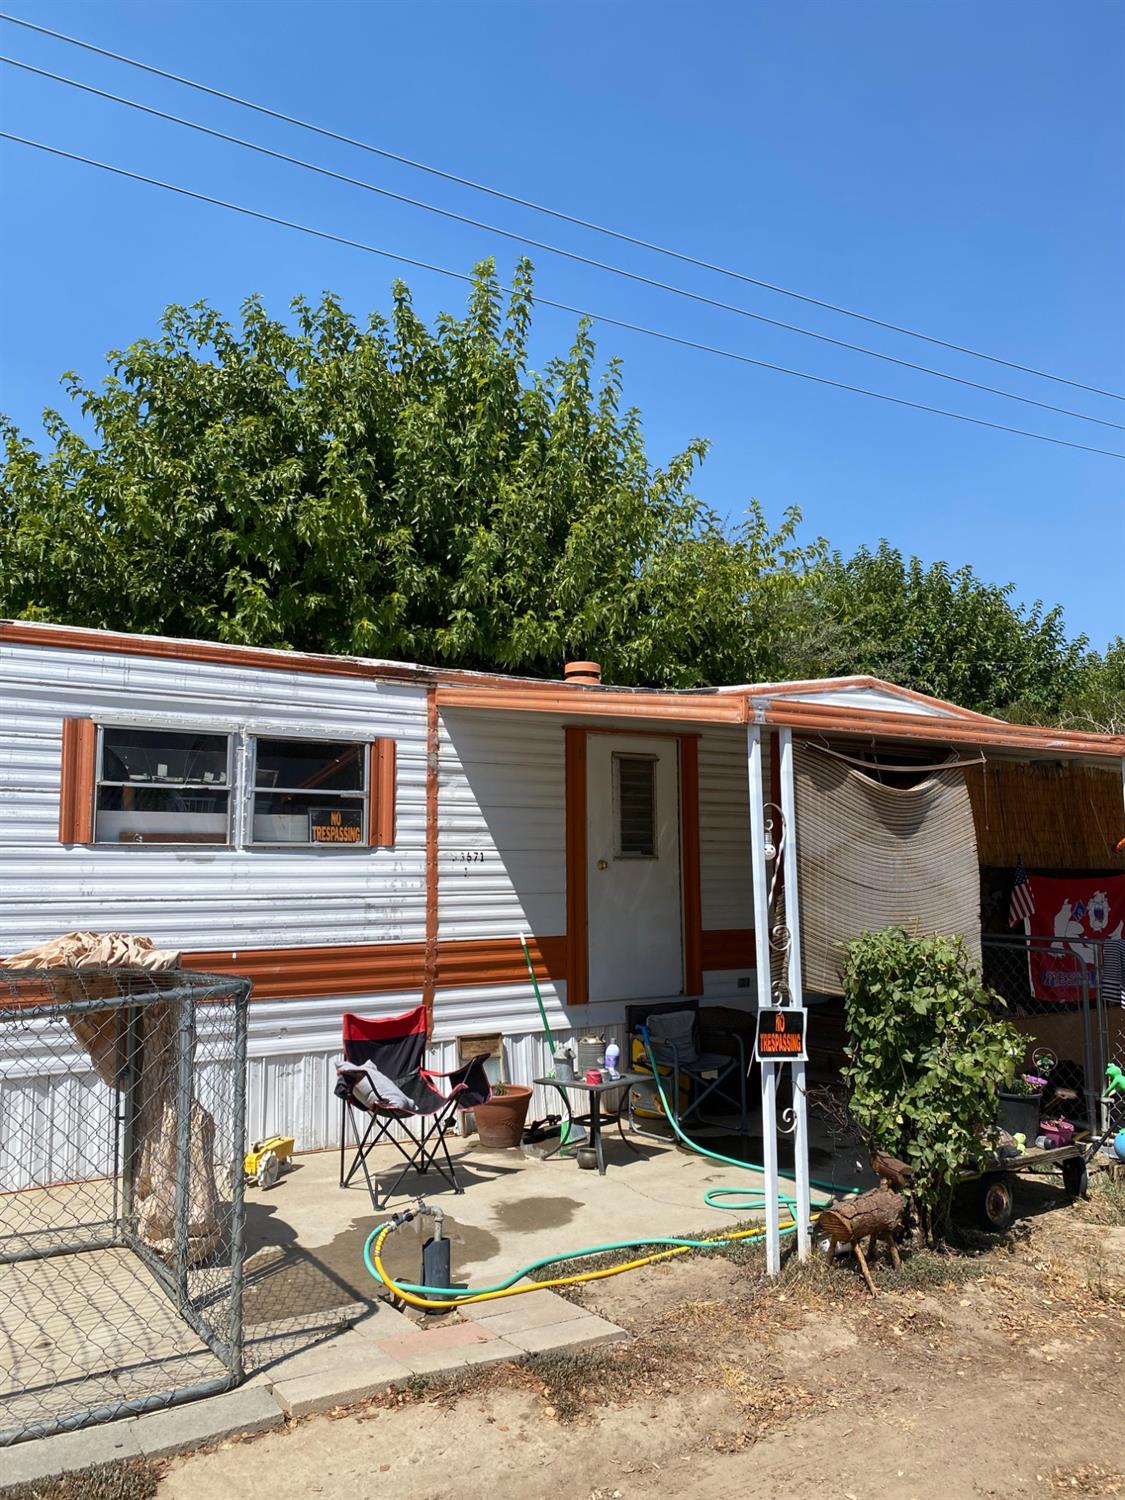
<point>365,835</point>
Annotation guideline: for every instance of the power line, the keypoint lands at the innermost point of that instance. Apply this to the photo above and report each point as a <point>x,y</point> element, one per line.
<point>670,338</point>
<point>553,213</point>
<point>586,260</point>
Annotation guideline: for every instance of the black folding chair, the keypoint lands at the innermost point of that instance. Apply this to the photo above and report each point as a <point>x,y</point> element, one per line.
<point>383,1079</point>
<point>698,1065</point>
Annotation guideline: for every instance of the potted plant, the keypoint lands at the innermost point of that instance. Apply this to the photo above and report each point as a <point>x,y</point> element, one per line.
<point>500,1122</point>
<point>1019,1105</point>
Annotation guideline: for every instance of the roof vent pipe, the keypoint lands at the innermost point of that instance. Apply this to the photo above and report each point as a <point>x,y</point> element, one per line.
<point>581,672</point>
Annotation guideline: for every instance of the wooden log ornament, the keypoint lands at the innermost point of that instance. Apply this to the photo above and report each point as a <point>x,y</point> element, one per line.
<point>873,1216</point>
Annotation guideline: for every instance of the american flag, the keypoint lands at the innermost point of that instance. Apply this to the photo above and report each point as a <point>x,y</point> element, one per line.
<point>1022,904</point>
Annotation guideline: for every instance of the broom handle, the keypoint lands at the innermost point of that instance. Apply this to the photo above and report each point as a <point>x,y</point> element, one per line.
<point>535,983</point>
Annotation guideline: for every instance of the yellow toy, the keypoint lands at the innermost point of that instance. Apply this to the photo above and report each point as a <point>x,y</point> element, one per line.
<point>265,1160</point>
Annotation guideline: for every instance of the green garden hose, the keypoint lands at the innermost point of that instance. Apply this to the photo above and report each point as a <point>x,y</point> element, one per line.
<point>420,1295</point>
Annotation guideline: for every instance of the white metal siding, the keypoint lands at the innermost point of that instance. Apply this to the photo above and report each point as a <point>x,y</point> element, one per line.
<point>203,897</point>
<point>198,898</point>
<point>501,845</point>
<point>724,829</point>
<point>501,871</point>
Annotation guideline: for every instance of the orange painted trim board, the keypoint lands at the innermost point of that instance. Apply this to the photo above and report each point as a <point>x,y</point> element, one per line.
<point>729,948</point>
<point>691,886</point>
<point>391,968</point>
<point>577,912</point>
<point>76,788</point>
<point>382,782</point>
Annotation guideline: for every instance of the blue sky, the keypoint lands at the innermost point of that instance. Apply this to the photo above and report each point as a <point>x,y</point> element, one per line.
<point>957,167</point>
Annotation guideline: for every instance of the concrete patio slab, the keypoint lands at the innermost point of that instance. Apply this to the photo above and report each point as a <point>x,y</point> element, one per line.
<point>536,1310</point>
<point>319,1332</point>
<point>345,1381</point>
<point>44,1458</point>
<point>200,1422</point>
<point>439,1362</point>
<point>305,1236</point>
<point>586,1332</point>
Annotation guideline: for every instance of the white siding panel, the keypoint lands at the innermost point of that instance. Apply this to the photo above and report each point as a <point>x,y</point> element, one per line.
<point>501,866</point>
<point>724,830</point>
<point>203,897</point>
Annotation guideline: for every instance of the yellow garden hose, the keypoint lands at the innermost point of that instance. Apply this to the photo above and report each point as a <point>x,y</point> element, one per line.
<point>440,1298</point>
<point>414,1295</point>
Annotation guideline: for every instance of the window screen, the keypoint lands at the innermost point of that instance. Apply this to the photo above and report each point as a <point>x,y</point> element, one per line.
<point>159,786</point>
<point>310,792</point>
<point>634,795</point>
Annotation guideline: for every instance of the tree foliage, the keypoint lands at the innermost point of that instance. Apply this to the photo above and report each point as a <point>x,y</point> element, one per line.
<point>926,1055</point>
<point>397,490</point>
<point>943,631</point>
<point>1096,697</point>
<point>389,490</point>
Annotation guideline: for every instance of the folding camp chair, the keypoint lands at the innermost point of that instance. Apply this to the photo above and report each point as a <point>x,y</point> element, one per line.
<point>698,1065</point>
<point>383,1078</point>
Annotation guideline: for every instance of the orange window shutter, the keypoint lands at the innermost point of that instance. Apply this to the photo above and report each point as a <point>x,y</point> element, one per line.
<point>76,789</point>
<point>382,780</point>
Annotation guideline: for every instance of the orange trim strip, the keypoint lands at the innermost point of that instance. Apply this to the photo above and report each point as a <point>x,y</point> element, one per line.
<point>382,780</point>
<point>274,659</point>
<point>387,968</point>
<point>667,733</point>
<point>729,948</point>
<point>381,968</point>
<point>690,882</point>
<point>76,784</point>
<point>553,698</point>
<point>832,684</point>
<point>764,703</point>
<point>309,973</point>
<point>433,744</point>
<point>463,962</point>
<point>577,912</point>
<point>825,718</point>
<point>75,638</point>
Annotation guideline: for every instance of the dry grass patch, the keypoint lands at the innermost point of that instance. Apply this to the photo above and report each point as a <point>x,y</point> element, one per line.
<point>130,1479</point>
<point>1105,1201</point>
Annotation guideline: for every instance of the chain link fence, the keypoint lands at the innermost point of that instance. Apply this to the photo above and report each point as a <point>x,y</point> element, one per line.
<point>1110,981</point>
<point>122,1108</point>
<point>1062,1003</point>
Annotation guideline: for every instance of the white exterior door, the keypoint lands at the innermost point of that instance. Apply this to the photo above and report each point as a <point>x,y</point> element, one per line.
<point>633,878</point>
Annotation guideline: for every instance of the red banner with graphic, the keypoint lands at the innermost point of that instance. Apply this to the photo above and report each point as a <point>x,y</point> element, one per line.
<point>1071,911</point>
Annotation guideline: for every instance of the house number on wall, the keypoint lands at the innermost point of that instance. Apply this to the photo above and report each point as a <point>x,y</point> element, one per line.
<point>469,857</point>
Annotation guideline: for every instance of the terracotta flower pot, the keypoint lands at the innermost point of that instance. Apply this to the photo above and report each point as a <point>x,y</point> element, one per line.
<point>500,1122</point>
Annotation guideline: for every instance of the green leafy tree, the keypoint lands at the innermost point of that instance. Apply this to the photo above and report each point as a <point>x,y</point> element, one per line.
<point>391,490</point>
<point>926,1055</point>
<point>1096,697</point>
<point>944,631</point>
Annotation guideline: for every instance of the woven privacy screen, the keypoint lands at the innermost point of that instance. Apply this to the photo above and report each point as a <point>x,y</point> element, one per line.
<point>873,856</point>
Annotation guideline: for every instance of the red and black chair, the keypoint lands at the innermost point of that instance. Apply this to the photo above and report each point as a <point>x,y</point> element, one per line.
<point>383,1078</point>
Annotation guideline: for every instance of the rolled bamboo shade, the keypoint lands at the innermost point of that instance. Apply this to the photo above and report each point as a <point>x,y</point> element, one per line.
<point>872,856</point>
<point>1053,817</point>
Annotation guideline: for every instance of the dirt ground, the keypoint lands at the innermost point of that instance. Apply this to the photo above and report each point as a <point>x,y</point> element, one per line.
<point>996,1373</point>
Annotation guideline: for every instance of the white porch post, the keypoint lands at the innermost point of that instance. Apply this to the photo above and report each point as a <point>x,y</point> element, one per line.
<point>796,996</point>
<point>762,962</point>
